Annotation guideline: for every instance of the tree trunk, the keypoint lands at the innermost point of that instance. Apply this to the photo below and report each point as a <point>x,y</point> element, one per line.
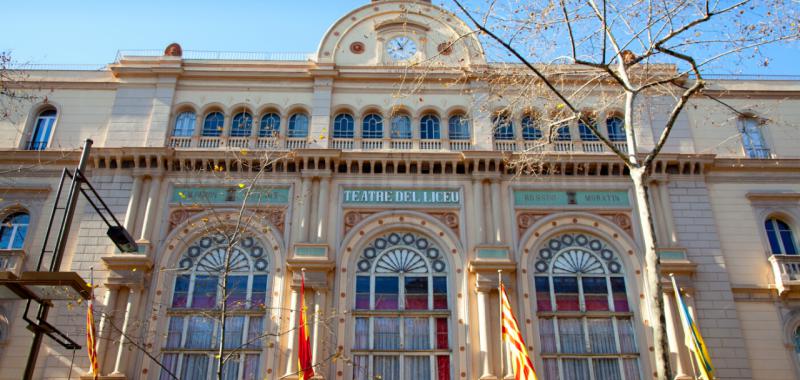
<point>652,275</point>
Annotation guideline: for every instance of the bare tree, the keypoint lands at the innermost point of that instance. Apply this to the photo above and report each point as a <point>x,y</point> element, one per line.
<point>622,53</point>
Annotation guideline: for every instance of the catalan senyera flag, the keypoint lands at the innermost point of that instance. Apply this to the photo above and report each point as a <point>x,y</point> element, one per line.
<point>693,337</point>
<point>520,361</point>
<point>91,340</point>
<point>303,342</point>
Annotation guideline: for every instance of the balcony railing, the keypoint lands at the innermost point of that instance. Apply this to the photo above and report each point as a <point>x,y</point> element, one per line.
<point>10,260</point>
<point>786,270</point>
<point>360,144</point>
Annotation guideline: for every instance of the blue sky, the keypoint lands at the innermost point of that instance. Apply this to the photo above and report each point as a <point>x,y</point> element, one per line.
<point>91,31</point>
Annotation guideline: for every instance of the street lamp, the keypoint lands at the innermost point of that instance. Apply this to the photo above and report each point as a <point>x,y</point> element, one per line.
<point>43,287</point>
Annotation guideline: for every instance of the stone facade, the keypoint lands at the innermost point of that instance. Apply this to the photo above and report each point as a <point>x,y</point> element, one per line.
<point>434,211</point>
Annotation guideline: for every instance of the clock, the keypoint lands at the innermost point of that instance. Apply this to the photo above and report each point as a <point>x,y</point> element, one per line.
<point>401,48</point>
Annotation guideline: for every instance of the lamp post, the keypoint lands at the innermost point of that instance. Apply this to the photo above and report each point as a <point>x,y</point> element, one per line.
<point>46,286</point>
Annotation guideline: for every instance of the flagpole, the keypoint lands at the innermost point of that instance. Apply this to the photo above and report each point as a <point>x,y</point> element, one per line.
<point>501,375</point>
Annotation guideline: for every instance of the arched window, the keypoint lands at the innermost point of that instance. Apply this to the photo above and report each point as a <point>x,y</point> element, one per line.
<point>562,133</point>
<point>298,125</point>
<point>429,128</point>
<point>458,127</point>
<point>585,132</point>
<point>213,124</point>
<point>184,124</point>
<point>270,125</point>
<point>780,236</point>
<point>585,323</point>
<point>401,127</point>
<point>616,128</point>
<point>42,129</point>
<point>752,139</point>
<point>372,126</point>
<point>14,230</point>
<point>503,127</point>
<point>530,131</point>
<point>242,125</point>
<point>343,126</point>
<point>193,333</point>
<point>401,311</point>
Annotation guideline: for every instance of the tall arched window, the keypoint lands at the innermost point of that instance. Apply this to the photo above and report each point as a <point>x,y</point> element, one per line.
<point>42,129</point>
<point>270,125</point>
<point>401,127</point>
<point>458,127</point>
<point>343,126</point>
<point>530,131</point>
<point>780,236</point>
<point>402,314</point>
<point>585,132</point>
<point>503,127</point>
<point>14,230</point>
<point>184,124</point>
<point>752,139</point>
<point>242,125</point>
<point>213,124</point>
<point>298,125</point>
<point>616,128</point>
<point>372,126</point>
<point>193,333</point>
<point>562,133</point>
<point>586,324</point>
<point>429,128</point>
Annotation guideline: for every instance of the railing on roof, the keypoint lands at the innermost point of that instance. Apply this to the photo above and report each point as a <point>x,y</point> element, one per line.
<point>223,55</point>
<point>56,67</point>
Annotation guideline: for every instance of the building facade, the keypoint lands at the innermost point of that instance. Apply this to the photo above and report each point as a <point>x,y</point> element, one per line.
<point>394,198</point>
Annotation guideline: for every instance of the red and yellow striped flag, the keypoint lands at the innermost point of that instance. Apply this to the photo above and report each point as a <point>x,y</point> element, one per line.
<point>91,341</point>
<point>304,343</point>
<point>520,361</point>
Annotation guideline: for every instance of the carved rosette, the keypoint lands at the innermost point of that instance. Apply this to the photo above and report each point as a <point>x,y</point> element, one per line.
<point>622,220</point>
<point>449,219</point>
<point>179,216</point>
<point>527,219</point>
<point>352,218</point>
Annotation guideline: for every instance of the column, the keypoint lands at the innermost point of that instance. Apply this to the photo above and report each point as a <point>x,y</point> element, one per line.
<point>291,358</point>
<point>477,190</point>
<point>322,209</point>
<point>319,307</point>
<point>132,299</point>
<point>150,210</point>
<point>305,198</point>
<point>666,209</point>
<point>483,335</point>
<point>133,204</point>
<point>105,321</point>
<point>497,219</point>
<point>676,338</point>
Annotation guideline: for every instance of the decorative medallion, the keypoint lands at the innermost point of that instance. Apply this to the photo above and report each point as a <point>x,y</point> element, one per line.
<point>527,219</point>
<point>445,48</point>
<point>357,47</point>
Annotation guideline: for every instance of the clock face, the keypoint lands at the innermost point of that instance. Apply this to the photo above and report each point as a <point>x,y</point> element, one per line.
<point>401,48</point>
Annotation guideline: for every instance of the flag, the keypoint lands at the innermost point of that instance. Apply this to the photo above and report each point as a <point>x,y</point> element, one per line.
<point>695,340</point>
<point>91,341</point>
<point>520,361</point>
<point>303,342</point>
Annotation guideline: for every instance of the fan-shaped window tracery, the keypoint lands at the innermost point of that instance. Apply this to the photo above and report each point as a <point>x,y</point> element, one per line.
<point>194,327</point>
<point>401,310</point>
<point>586,324</point>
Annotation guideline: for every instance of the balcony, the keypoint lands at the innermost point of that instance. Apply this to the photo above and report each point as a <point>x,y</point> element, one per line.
<point>11,260</point>
<point>786,270</point>
<point>540,146</point>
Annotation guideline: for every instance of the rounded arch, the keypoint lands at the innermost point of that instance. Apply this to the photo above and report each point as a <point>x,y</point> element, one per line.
<point>370,109</point>
<point>429,110</point>
<point>405,13</point>
<point>239,108</point>
<point>268,108</point>
<point>456,110</point>
<point>211,107</point>
<point>623,249</point>
<point>39,108</point>
<point>400,109</point>
<point>185,107</point>
<point>343,108</point>
<point>298,108</point>
<point>383,225</point>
